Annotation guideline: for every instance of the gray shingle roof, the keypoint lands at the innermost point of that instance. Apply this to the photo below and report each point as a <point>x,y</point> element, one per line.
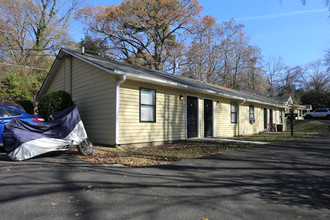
<point>281,99</point>
<point>136,71</point>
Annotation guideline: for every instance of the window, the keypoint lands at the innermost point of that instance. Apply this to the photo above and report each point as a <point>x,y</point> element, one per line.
<point>251,112</point>
<point>147,105</point>
<point>233,110</point>
<point>281,116</point>
<point>8,113</point>
<point>13,112</point>
<point>3,113</point>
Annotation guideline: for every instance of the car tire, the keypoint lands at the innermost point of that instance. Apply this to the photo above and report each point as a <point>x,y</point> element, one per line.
<point>85,147</point>
<point>308,117</point>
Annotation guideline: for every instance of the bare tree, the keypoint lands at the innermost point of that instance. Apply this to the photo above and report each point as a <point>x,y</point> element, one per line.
<point>221,54</point>
<point>253,79</point>
<point>274,68</point>
<point>27,26</point>
<point>327,61</point>
<point>291,79</point>
<point>30,31</point>
<point>318,78</point>
<point>202,57</point>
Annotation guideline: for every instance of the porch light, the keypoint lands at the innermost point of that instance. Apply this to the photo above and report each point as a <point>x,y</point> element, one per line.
<point>181,97</point>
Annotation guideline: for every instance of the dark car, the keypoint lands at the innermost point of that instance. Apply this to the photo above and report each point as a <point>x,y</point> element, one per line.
<point>7,113</point>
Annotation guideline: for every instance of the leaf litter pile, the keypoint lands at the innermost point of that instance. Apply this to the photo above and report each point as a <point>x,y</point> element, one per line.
<point>157,155</point>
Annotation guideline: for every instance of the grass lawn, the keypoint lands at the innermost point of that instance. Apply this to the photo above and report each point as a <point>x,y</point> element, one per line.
<point>308,126</point>
<point>277,137</point>
<point>300,128</point>
<point>163,154</point>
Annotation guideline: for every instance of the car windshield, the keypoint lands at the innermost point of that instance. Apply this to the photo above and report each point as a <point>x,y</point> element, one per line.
<point>13,105</point>
<point>13,112</point>
<point>18,107</point>
<point>8,113</point>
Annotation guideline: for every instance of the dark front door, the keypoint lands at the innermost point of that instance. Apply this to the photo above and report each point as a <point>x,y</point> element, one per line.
<point>192,116</point>
<point>271,116</point>
<point>208,118</point>
<point>265,118</point>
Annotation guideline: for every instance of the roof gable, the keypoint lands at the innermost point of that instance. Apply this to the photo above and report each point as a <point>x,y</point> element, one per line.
<point>283,99</point>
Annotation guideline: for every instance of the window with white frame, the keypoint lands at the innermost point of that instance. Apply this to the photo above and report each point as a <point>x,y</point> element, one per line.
<point>233,112</point>
<point>251,113</point>
<point>147,105</point>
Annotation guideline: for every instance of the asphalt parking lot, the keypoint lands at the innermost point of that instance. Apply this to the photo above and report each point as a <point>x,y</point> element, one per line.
<point>278,181</point>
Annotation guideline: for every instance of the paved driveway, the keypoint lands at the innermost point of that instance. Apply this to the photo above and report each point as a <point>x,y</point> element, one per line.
<point>281,181</point>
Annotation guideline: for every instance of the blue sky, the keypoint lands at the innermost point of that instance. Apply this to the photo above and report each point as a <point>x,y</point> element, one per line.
<point>300,34</point>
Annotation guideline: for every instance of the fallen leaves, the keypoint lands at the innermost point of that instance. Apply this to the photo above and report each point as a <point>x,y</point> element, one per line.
<point>158,155</point>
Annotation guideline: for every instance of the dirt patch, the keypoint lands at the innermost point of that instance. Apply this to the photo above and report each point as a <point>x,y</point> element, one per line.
<point>157,155</point>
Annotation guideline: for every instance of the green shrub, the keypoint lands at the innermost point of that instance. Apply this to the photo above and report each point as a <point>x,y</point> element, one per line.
<point>27,105</point>
<point>54,102</point>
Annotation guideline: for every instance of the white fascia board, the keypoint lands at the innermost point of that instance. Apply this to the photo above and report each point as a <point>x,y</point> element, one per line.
<point>265,103</point>
<point>91,63</point>
<point>179,85</point>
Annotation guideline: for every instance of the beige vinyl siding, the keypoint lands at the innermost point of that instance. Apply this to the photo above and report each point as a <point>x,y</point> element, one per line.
<point>222,118</point>
<point>277,118</point>
<point>248,128</point>
<point>93,91</point>
<point>170,115</point>
<point>224,127</point>
<point>58,80</point>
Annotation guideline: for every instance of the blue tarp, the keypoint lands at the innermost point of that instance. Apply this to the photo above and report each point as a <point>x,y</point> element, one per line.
<point>23,140</point>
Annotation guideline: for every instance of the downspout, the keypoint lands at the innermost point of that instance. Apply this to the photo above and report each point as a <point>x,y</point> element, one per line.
<point>70,75</point>
<point>123,79</point>
<point>239,117</point>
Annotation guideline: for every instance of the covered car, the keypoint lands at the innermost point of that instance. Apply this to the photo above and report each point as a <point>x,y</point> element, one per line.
<point>8,113</point>
<point>23,140</point>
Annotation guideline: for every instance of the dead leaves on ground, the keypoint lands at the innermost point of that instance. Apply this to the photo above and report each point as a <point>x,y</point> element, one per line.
<point>158,155</point>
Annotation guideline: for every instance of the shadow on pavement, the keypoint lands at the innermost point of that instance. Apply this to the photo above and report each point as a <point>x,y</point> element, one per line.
<point>250,183</point>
